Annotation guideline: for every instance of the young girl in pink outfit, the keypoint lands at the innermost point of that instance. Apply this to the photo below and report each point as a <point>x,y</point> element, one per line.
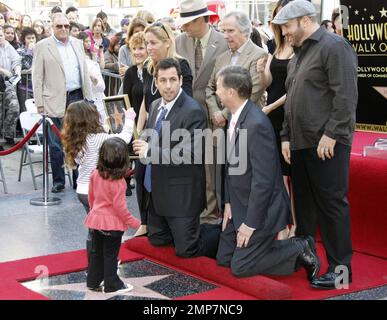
<point>109,216</point>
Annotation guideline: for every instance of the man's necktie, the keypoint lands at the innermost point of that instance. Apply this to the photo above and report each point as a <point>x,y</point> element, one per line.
<point>198,56</point>
<point>231,129</point>
<point>148,168</point>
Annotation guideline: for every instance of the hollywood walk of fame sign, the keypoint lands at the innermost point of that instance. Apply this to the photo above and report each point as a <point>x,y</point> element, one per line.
<point>367,31</point>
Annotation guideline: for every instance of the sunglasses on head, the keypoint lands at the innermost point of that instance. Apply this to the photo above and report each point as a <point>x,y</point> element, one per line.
<point>161,25</point>
<point>60,26</point>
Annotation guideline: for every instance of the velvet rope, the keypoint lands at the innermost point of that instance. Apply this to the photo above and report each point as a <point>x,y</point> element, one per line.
<point>21,143</point>
<point>55,129</point>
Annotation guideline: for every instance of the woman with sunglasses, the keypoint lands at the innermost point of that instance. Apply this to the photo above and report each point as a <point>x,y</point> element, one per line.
<point>160,44</point>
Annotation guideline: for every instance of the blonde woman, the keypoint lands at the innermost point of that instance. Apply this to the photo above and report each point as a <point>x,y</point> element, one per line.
<point>274,73</point>
<point>160,44</point>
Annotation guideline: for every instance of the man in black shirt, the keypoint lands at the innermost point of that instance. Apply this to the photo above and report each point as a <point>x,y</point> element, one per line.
<point>318,131</point>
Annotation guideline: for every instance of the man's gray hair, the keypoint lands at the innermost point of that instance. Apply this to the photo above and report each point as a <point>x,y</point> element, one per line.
<point>243,22</point>
<point>237,78</point>
<point>58,15</point>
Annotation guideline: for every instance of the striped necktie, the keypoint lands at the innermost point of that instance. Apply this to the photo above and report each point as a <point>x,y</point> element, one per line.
<point>148,168</point>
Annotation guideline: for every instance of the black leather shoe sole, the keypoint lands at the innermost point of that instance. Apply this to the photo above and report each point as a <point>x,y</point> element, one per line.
<point>57,188</point>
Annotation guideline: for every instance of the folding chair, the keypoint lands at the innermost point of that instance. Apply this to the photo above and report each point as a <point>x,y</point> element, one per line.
<point>2,178</point>
<point>27,121</point>
<point>30,106</point>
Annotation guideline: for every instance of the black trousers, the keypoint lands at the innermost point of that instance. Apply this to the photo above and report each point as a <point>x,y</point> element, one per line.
<point>263,254</point>
<point>103,260</point>
<point>189,238</point>
<point>320,198</point>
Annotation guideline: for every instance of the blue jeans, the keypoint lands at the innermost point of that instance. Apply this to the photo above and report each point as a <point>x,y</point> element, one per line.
<point>56,153</point>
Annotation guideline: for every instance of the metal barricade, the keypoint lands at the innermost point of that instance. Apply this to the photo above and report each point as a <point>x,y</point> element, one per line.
<point>113,82</point>
<point>24,89</point>
<point>2,110</point>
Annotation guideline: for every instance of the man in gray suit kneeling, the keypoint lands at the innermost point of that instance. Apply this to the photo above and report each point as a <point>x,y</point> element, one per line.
<point>256,203</point>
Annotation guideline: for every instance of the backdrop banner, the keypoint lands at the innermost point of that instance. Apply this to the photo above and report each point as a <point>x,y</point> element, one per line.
<point>365,26</point>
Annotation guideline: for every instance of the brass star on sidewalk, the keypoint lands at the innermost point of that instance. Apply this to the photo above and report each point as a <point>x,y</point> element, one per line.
<point>138,283</point>
<point>383,13</point>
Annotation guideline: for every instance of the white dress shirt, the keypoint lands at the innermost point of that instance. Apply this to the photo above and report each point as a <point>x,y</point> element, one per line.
<point>71,64</point>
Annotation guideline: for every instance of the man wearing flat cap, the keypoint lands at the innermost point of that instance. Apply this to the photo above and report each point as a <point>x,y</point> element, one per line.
<point>317,133</point>
<point>200,44</point>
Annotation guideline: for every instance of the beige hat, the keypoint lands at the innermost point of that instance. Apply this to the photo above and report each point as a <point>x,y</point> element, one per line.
<point>192,9</point>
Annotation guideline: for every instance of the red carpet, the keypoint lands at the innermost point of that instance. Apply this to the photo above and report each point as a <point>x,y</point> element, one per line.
<point>367,198</point>
<point>368,272</point>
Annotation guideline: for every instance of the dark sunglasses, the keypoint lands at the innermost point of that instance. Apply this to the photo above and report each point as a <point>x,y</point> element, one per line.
<point>60,26</point>
<point>160,25</point>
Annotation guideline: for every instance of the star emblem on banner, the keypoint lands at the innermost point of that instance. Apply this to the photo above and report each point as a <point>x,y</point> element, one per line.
<point>372,18</point>
<point>383,13</point>
<point>356,12</point>
<point>138,283</point>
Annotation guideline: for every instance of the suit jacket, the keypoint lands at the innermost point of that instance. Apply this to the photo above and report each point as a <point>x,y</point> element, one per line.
<point>48,76</point>
<point>248,59</point>
<point>258,197</point>
<point>178,190</point>
<point>185,47</point>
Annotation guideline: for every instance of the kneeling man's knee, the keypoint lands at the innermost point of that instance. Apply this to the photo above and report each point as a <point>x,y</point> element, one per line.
<point>239,269</point>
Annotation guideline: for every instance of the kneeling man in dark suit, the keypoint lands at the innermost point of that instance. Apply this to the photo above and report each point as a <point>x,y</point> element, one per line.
<point>171,187</point>
<point>257,205</point>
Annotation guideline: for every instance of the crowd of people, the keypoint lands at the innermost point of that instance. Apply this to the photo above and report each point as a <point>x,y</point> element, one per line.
<point>280,84</point>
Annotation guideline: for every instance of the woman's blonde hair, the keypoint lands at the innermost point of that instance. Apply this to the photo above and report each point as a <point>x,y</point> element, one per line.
<point>146,15</point>
<point>163,33</point>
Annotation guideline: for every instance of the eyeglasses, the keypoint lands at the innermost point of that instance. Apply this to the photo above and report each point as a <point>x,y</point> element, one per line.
<point>160,25</point>
<point>13,19</point>
<point>60,26</point>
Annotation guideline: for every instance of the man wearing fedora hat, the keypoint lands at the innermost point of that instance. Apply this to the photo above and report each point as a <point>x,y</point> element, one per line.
<point>200,44</point>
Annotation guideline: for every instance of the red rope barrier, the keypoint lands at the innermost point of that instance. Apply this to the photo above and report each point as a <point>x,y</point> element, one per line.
<point>55,129</point>
<point>21,143</point>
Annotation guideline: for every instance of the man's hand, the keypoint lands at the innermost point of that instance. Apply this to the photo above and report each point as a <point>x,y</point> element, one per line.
<point>243,236</point>
<point>140,147</point>
<point>285,146</point>
<point>326,147</point>
<point>40,109</point>
<point>226,216</point>
<point>218,119</point>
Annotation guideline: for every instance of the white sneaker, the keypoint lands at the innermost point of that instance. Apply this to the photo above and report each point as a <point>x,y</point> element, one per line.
<point>125,288</point>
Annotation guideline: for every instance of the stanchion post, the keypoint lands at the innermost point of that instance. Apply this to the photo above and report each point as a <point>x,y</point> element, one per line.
<point>45,200</point>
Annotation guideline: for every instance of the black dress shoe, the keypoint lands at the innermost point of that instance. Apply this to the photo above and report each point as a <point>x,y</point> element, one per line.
<point>57,188</point>
<point>308,258</point>
<point>328,281</point>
